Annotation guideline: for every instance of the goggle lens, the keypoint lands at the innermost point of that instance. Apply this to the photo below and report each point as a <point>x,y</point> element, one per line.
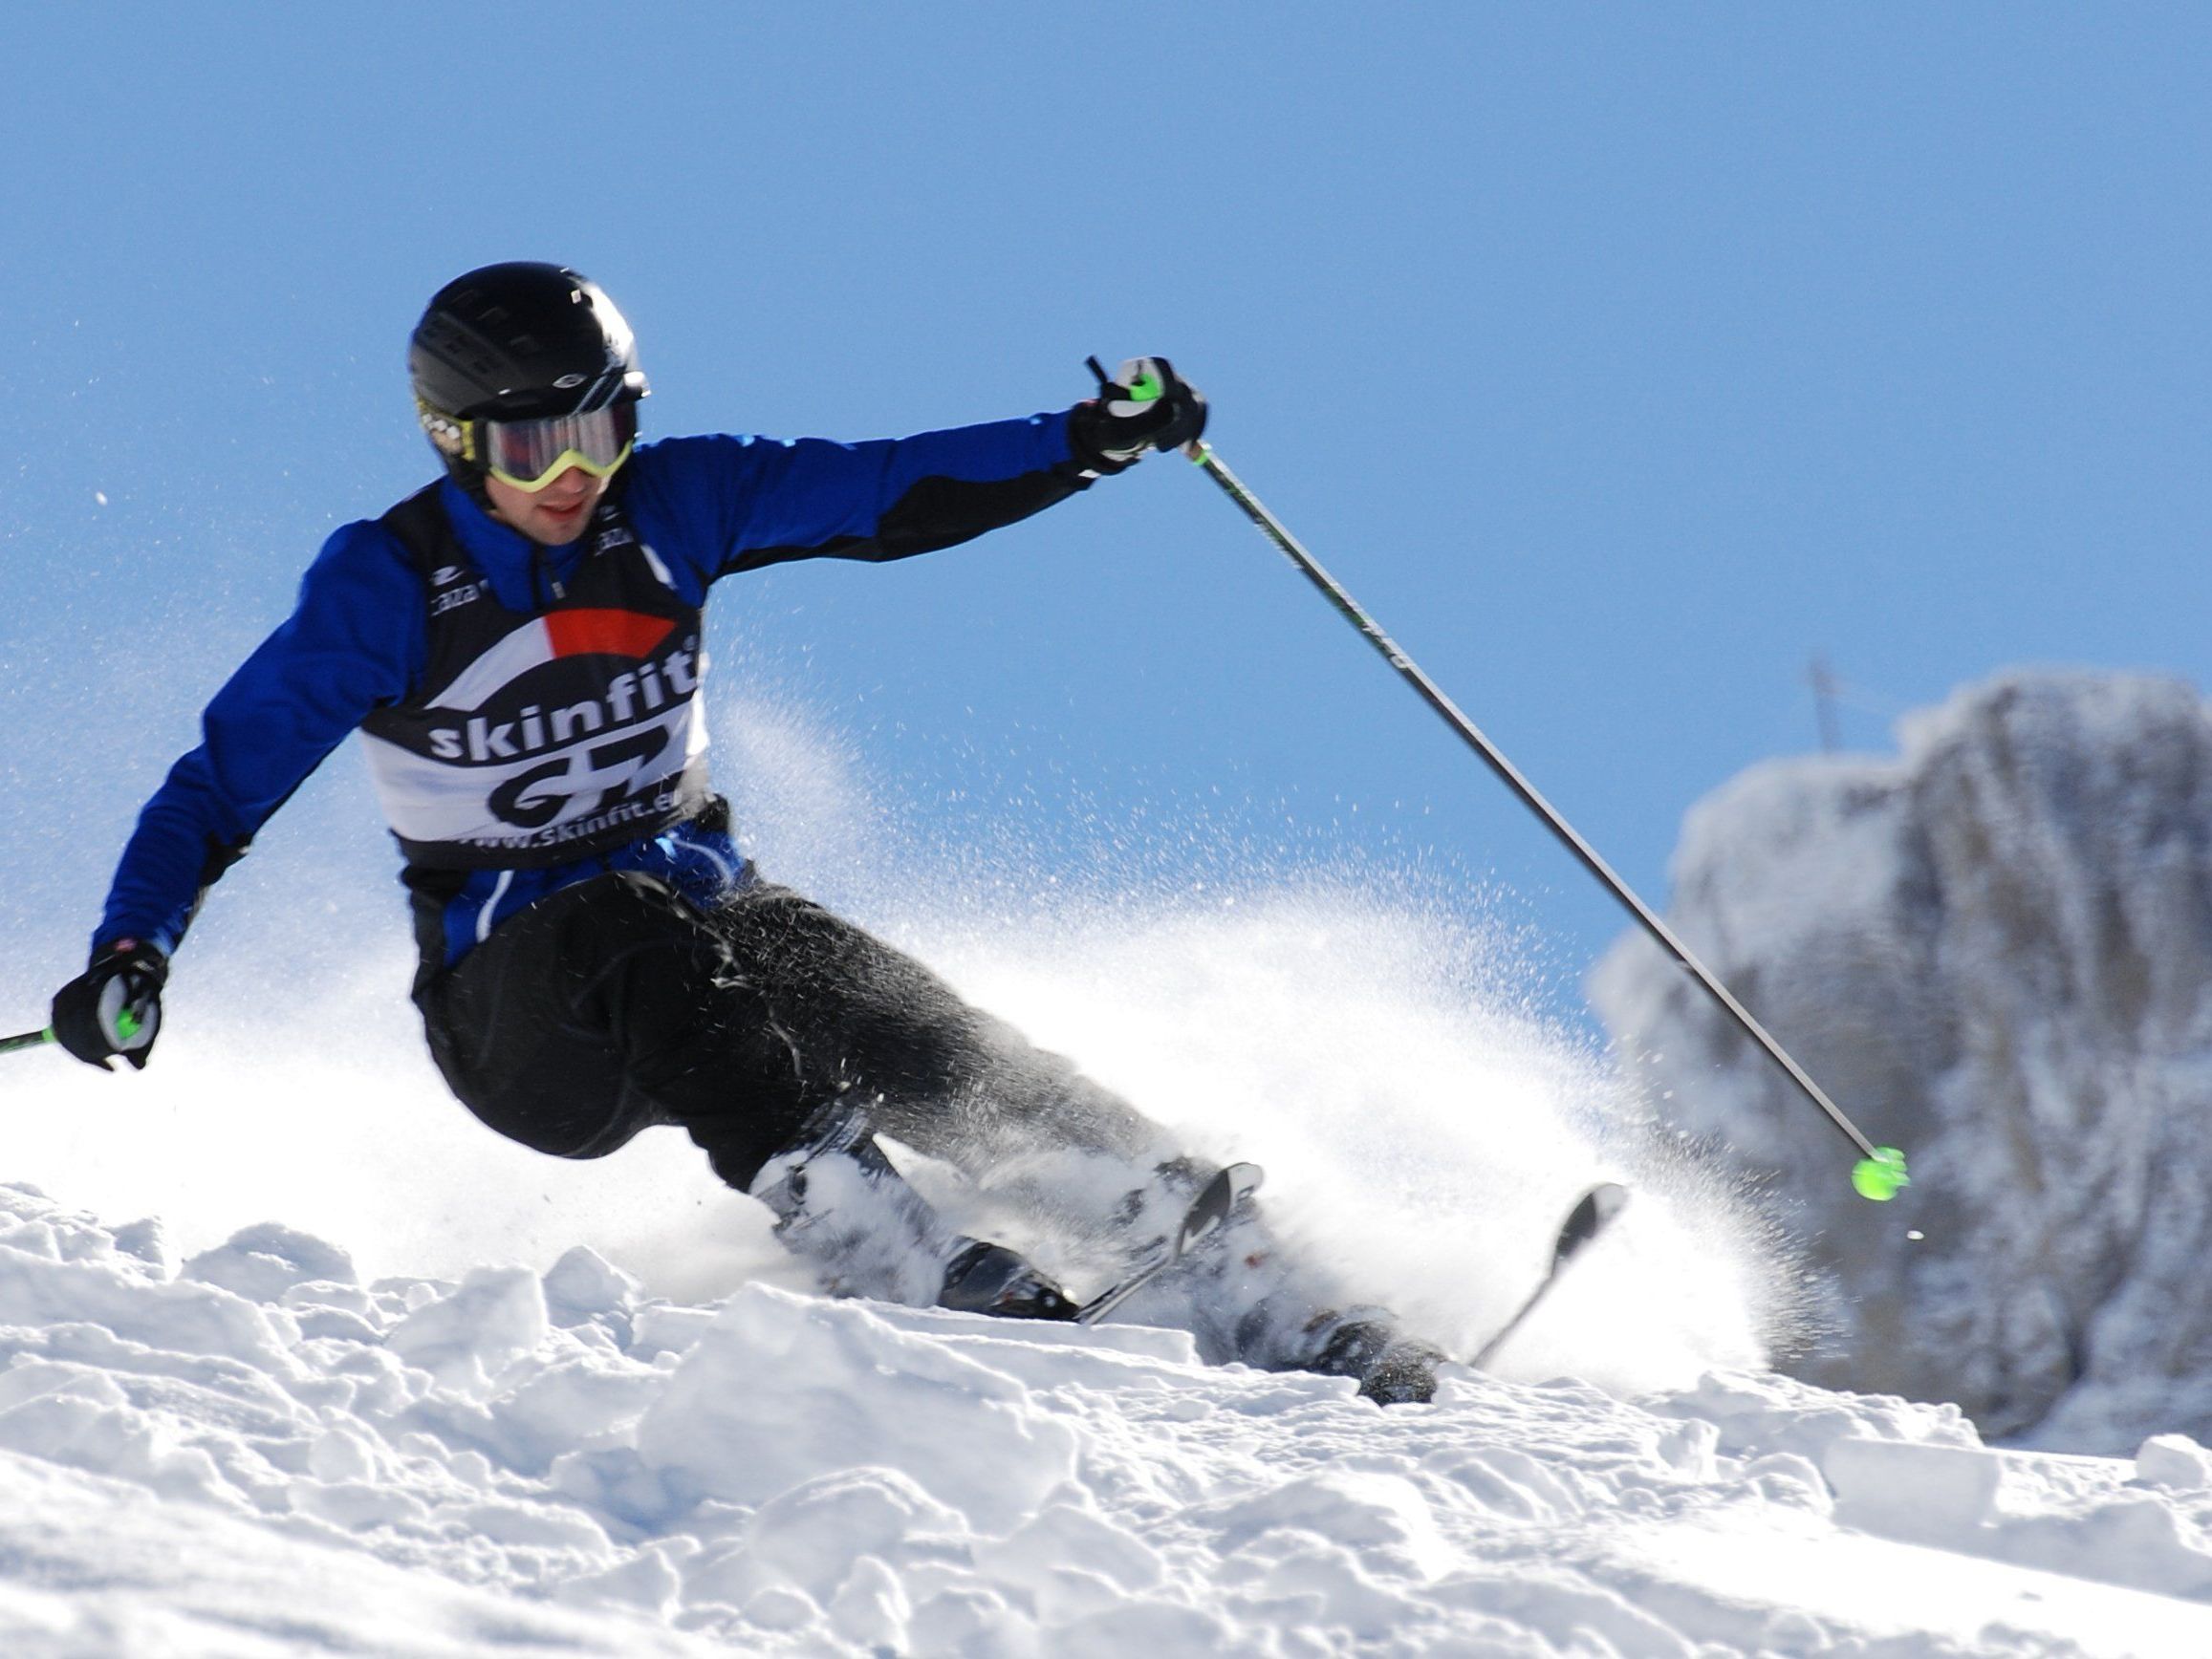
<point>529,455</point>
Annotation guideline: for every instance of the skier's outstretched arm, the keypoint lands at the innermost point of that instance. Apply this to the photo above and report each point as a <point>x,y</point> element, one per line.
<point>764,500</point>
<point>354,639</point>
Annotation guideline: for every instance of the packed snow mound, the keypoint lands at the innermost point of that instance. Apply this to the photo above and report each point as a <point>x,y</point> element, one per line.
<point>256,1454</point>
<point>1995,952</point>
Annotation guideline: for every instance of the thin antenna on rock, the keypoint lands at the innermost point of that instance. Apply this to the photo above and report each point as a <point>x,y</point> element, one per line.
<point>1825,687</point>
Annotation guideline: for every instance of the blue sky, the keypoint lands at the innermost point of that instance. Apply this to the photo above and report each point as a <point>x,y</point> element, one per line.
<point>1618,358</point>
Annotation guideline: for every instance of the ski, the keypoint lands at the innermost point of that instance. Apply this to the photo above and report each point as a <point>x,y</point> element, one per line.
<point>1584,1222</point>
<point>1207,1212</point>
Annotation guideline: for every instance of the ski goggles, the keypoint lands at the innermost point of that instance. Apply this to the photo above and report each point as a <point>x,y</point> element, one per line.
<point>529,455</point>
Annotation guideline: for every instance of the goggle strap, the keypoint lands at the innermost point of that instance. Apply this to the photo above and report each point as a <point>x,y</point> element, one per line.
<point>449,434</point>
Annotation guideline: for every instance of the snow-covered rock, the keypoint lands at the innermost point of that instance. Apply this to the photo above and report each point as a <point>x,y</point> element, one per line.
<point>1996,952</point>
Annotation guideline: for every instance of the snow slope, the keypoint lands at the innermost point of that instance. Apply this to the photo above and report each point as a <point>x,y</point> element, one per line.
<point>1996,952</point>
<point>220,1434</point>
<point>253,1454</point>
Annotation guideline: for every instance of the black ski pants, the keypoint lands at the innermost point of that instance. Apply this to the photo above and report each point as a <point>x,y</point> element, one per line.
<point>616,1004</point>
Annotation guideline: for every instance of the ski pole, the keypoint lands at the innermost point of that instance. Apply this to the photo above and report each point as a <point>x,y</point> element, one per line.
<point>29,1040</point>
<point>1879,1172</point>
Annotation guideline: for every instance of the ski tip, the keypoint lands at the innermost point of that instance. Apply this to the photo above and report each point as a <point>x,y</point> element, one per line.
<point>1217,1200</point>
<point>1590,1217</point>
<point>1231,1185</point>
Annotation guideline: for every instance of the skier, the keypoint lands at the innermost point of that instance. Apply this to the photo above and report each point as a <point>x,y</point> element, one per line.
<point>520,646</point>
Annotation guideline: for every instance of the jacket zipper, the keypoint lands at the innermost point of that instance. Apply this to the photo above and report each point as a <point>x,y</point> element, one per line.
<point>540,582</point>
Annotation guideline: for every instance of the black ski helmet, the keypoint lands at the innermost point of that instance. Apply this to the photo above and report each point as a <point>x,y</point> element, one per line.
<point>516,342</point>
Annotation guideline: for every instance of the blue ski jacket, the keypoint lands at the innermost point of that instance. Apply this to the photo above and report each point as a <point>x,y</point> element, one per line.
<point>710,506</point>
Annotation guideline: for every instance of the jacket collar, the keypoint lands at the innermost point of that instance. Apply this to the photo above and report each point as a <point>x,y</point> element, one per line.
<point>512,563</point>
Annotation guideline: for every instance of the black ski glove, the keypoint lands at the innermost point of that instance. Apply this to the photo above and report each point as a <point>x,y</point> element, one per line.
<point>1148,407</point>
<point>114,1007</point>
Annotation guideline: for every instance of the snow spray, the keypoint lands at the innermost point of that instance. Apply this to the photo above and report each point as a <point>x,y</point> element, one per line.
<point>1424,1132</point>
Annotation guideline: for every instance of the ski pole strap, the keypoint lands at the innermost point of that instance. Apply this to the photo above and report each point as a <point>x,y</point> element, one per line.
<point>1881,1172</point>
<point>29,1040</point>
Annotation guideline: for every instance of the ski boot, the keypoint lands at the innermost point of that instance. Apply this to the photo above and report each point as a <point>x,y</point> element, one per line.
<point>1249,1301</point>
<point>1392,1370</point>
<point>986,1278</point>
<point>1143,1221</point>
<point>843,1205</point>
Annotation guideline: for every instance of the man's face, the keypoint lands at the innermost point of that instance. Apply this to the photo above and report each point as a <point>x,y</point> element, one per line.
<point>552,516</point>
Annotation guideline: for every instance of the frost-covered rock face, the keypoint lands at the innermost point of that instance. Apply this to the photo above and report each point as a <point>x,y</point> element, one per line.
<point>1995,952</point>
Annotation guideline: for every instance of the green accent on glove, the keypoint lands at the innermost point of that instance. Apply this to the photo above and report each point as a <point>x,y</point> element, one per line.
<point>1883,1177</point>
<point>1145,388</point>
<point>127,1024</point>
